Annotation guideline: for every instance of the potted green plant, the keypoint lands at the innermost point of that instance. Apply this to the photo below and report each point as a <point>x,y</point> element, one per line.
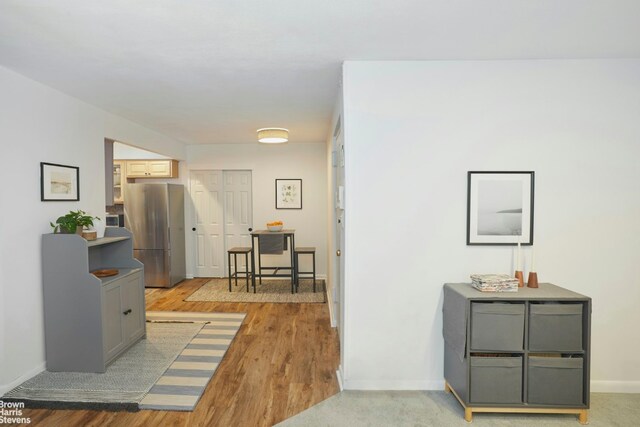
<point>73,222</point>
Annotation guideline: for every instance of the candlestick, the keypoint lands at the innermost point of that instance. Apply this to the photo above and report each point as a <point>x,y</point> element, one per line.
<point>520,278</point>
<point>533,259</point>
<point>532,281</point>
<point>518,273</point>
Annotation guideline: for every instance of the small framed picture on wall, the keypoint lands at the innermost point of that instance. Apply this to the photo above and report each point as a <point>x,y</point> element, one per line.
<point>59,182</point>
<point>500,208</point>
<point>288,194</point>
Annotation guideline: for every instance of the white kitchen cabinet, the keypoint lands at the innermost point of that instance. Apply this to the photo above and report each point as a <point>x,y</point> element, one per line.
<point>152,169</point>
<point>118,181</point>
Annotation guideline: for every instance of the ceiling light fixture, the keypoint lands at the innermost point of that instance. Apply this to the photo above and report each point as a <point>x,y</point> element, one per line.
<point>273,135</point>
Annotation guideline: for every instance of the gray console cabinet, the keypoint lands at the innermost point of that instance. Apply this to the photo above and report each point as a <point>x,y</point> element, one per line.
<point>90,321</point>
<point>517,352</point>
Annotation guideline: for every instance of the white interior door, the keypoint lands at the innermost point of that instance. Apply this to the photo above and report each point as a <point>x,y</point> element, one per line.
<point>238,212</point>
<point>207,223</point>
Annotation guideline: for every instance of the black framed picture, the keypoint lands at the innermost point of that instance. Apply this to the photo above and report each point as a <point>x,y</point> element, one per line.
<point>288,194</point>
<point>500,208</point>
<point>59,182</point>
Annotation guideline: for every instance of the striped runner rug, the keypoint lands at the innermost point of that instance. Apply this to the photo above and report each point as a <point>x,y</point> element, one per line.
<point>184,382</point>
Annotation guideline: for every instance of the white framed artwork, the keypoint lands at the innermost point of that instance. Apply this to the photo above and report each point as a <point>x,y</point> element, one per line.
<point>288,194</point>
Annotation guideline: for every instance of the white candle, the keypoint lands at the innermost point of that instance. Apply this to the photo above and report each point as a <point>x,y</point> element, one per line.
<point>518,265</point>
<point>533,259</point>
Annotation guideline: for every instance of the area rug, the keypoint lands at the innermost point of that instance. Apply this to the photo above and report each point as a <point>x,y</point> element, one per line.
<point>168,370</point>
<point>182,385</point>
<point>125,382</point>
<point>277,291</point>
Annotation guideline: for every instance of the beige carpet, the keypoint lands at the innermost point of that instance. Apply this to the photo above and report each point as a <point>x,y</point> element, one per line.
<point>278,291</point>
<point>439,409</point>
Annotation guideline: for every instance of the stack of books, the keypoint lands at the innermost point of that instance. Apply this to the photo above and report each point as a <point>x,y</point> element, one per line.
<point>494,283</point>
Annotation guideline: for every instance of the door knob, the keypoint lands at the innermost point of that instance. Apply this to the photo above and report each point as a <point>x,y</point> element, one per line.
<point>193,229</point>
<point>338,253</point>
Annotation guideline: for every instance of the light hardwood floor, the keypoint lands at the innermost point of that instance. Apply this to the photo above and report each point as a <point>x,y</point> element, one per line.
<point>282,361</point>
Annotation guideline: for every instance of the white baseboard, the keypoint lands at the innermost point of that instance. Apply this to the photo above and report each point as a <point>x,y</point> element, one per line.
<point>332,316</point>
<point>32,373</point>
<point>339,377</point>
<point>596,386</point>
<point>393,385</point>
<point>615,386</point>
<point>189,276</point>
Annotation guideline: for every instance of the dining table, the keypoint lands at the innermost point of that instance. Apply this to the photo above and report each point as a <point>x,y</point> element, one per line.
<point>288,246</point>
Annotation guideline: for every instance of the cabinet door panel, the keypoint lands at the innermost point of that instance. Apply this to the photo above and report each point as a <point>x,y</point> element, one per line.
<point>161,168</point>
<point>133,299</point>
<point>114,339</point>
<point>136,169</point>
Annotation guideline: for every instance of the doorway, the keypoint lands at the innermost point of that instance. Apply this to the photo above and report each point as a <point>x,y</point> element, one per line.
<point>221,216</point>
<point>339,215</point>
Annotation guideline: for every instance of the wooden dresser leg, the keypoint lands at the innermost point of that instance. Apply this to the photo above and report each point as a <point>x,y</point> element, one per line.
<point>583,417</point>
<point>468,415</point>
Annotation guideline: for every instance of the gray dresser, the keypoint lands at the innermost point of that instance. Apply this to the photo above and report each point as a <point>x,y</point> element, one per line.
<point>525,351</point>
<point>90,321</point>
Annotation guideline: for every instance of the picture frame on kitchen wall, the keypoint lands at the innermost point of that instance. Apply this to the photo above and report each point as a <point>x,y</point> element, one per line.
<point>59,183</point>
<point>500,207</point>
<point>288,194</point>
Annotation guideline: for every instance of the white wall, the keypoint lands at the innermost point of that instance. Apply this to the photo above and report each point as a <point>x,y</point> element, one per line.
<point>126,152</point>
<point>131,133</point>
<point>268,162</point>
<point>40,124</point>
<point>2,323</point>
<point>414,129</point>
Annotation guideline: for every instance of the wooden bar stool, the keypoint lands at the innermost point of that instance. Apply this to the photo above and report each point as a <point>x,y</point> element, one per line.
<point>248,254</point>
<point>304,251</point>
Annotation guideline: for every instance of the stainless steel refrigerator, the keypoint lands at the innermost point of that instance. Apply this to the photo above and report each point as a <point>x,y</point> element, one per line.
<point>154,213</point>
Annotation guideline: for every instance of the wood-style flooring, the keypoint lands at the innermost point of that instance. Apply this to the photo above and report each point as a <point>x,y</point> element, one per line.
<point>282,361</point>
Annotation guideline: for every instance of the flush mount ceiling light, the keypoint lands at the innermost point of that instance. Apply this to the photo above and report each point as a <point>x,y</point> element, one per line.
<point>273,135</point>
